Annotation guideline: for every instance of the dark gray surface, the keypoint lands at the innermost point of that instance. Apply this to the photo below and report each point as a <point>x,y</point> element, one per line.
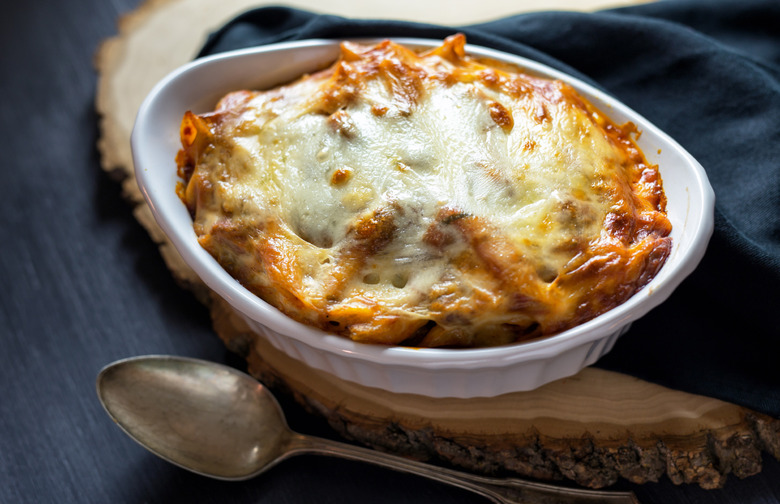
<point>84,285</point>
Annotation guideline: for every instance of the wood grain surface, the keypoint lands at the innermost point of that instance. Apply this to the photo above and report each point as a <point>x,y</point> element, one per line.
<point>592,428</point>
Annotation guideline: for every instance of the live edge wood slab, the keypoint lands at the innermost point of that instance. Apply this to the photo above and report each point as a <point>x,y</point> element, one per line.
<point>593,428</point>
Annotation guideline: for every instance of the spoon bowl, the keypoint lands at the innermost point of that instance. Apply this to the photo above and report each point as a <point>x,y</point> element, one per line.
<point>219,422</point>
<point>209,419</point>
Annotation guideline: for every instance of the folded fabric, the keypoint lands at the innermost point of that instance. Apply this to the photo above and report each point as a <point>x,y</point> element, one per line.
<point>706,72</point>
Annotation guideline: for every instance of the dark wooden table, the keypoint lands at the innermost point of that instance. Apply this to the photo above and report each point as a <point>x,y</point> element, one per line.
<point>83,285</point>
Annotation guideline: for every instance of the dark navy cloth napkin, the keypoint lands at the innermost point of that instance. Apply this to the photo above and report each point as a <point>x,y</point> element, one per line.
<point>708,73</point>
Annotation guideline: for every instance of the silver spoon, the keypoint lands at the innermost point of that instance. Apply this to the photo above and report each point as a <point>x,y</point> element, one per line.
<point>219,422</point>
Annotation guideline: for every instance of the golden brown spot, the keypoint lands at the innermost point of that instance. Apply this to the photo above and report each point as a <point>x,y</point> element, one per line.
<point>445,77</point>
<point>517,87</point>
<point>343,87</point>
<point>437,237</point>
<point>375,229</point>
<point>340,176</point>
<point>620,225</point>
<point>489,77</point>
<point>378,110</point>
<point>342,123</point>
<point>501,116</point>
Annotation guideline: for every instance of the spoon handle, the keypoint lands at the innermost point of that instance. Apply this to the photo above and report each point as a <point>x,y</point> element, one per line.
<point>501,491</point>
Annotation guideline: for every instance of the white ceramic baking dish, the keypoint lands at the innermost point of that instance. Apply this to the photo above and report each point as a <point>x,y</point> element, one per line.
<point>460,373</point>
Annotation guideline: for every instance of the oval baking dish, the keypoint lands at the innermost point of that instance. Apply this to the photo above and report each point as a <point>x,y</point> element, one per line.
<point>425,371</point>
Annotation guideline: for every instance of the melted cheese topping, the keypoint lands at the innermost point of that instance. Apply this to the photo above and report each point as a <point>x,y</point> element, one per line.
<point>425,199</point>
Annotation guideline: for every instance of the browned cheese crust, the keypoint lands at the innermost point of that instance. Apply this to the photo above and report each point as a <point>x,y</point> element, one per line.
<point>425,199</point>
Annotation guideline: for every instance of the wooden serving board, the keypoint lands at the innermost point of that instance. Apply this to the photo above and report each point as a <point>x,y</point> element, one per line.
<point>592,428</point>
